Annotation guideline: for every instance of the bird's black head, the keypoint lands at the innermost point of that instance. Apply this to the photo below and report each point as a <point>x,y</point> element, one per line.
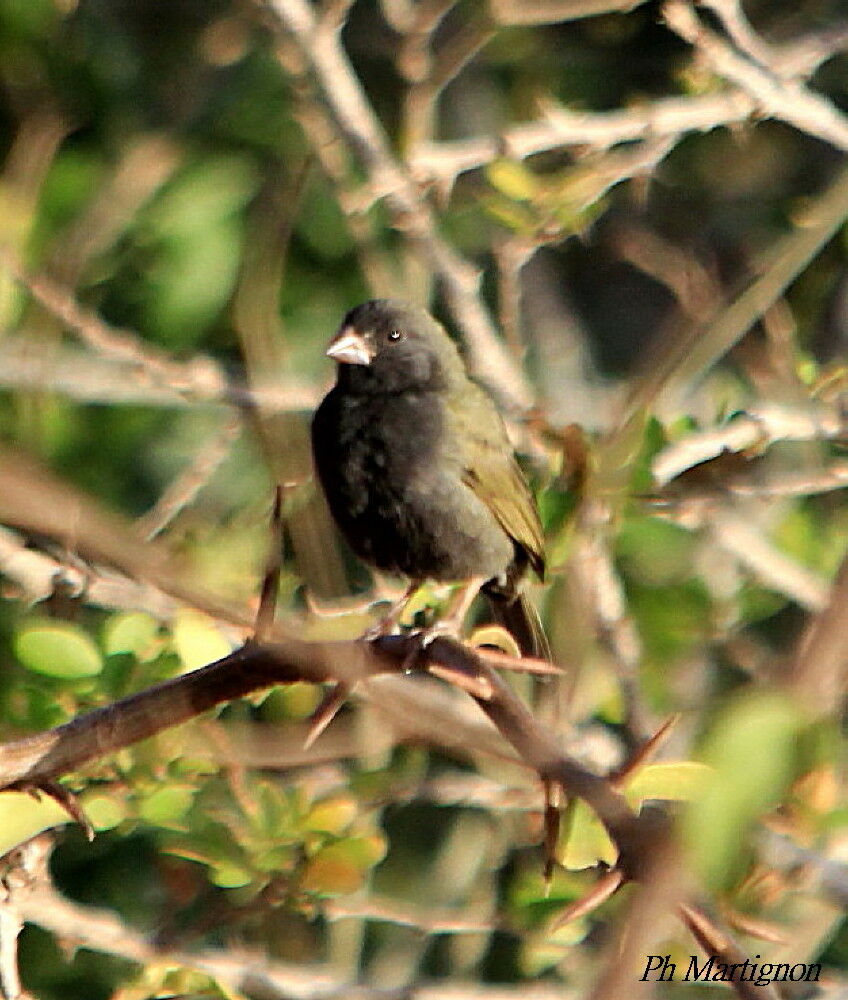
<point>389,346</point>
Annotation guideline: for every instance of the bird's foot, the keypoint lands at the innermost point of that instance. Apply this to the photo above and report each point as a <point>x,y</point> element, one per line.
<point>379,630</point>
<point>424,637</point>
<point>443,627</point>
<point>390,624</point>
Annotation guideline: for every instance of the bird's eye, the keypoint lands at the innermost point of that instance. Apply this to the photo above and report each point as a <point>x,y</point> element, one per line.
<point>395,335</point>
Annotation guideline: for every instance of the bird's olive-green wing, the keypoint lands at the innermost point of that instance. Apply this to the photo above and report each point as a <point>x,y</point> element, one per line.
<point>489,468</point>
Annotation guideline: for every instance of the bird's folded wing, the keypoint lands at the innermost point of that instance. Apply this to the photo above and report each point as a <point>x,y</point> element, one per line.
<point>489,469</point>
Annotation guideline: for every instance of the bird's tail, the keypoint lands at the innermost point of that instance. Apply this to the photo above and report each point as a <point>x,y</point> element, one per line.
<point>518,615</point>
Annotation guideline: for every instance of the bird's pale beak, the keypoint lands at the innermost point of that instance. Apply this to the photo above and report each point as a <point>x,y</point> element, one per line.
<point>350,347</point>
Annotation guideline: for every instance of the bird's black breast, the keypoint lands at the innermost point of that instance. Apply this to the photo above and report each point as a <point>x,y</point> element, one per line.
<point>396,490</point>
<point>369,450</point>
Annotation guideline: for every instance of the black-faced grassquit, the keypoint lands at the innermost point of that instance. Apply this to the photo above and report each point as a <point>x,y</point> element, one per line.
<point>418,471</point>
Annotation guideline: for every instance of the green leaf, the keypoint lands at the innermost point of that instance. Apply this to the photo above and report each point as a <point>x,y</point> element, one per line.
<point>198,640</point>
<point>277,808</point>
<point>292,701</point>
<point>670,617</point>
<point>751,751</point>
<point>332,815</point>
<point>340,868</point>
<point>23,816</point>
<point>321,223</point>
<point>58,649</point>
<point>515,216</point>
<point>556,507</point>
<point>204,193</point>
<point>545,951</point>
<point>655,552</point>
<point>104,812</point>
<point>682,781</point>
<point>583,840</point>
<point>229,875</point>
<point>513,179</point>
<point>131,632</point>
<point>35,707</point>
<point>757,603</point>
<point>332,872</point>
<point>278,859</point>
<point>368,850</point>
<point>168,805</point>
<point>192,281</point>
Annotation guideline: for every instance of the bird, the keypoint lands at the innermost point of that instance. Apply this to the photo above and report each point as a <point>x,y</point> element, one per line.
<point>419,472</point>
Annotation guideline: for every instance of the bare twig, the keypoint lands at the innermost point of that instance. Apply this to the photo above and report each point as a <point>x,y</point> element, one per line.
<point>820,666</point>
<point>761,426</point>
<point>558,127</point>
<point>246,973</point>
<point>787,100</point>
<point>717,942</point>
<point>593,568</point>
<point>803,56</point>
<point>740,535</point>
<point>828,874</point>
<point>191,481</point>
<point>121,345</point>
<point>743,36</point>
<point>695,287</point>
<point>798,58</point>
<point>644,921</point>
<point>807,483</point>
<point>252,973</point>
<point>90,377</point>
<point>37,575</point>
<point>271,580</point>
<point>430,73</point>
<point>90,737</point>
<point>359,124</point>
<point>430,920</point>
<point>24,871</point>
<point>144,166</point>
<point>11,926</point>
<point>32,499</point>
<point>606,886</point>
<point>552,11</point>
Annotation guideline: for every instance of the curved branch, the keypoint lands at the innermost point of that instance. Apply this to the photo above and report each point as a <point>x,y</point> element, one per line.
<point>46,756</point>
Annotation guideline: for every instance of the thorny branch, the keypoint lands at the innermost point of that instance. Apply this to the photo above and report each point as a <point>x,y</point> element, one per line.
<point>119,366</point>
<point>559,127</point>
<point>756,429</point>
<point>321,47</point>
<point>644,844</point>
<point>248,972</point>
<point>253,667</point>
<point>788,100</point>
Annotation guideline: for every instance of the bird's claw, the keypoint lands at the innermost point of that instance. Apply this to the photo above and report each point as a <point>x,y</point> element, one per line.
<point>425,637</point>
<point>381,629</point>
<point>435,631</point>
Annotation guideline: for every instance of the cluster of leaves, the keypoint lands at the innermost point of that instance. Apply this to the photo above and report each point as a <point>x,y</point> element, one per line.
<point>266,833</point>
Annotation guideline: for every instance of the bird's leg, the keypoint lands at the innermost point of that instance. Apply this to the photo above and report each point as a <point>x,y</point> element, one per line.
<point>451,622</point>
<point>388,624</point>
